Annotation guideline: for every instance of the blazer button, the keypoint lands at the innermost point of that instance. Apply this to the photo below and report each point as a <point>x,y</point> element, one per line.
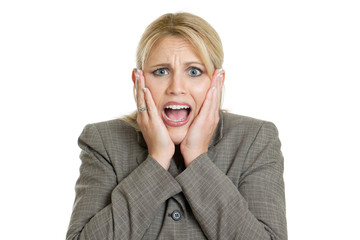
<point>176,215</point>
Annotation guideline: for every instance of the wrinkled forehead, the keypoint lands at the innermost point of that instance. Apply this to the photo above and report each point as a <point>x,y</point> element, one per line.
<point>173,48</point>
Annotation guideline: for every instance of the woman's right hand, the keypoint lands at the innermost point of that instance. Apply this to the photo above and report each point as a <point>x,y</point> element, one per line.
<point>159,143</point>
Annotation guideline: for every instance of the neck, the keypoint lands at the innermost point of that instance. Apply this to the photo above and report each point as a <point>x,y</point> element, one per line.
<point>178,158</point>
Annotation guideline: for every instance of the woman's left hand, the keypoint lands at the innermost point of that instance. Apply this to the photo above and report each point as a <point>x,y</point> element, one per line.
<point>198,137</point>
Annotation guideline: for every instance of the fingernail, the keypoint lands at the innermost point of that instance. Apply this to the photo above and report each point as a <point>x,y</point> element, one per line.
<point>144,89</point>
<point>213,89</point>
<point>219,72</point>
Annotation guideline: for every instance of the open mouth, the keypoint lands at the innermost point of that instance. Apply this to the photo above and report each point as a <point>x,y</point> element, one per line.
<point>176,114</point>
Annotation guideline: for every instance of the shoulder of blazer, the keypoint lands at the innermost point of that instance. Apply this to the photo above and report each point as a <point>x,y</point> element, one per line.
<point>114,125</point>
<point>115,132</point>
<point>243,127</point>
<point>234,122</point>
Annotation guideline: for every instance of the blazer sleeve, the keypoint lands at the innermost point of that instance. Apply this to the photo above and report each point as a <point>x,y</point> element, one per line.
<point>255,209</point>
<point>107,209</point>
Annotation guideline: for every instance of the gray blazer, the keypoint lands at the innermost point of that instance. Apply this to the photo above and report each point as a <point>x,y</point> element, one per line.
<point>234,191</point>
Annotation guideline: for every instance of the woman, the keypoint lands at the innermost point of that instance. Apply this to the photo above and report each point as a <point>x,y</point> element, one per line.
<point>179,167</point>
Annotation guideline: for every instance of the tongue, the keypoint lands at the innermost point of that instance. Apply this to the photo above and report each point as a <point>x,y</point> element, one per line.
<point>178,114</point>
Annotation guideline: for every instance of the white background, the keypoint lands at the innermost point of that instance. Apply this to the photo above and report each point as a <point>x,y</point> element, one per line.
<point>64,64</point>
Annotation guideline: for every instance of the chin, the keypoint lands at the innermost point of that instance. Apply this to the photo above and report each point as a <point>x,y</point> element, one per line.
<point>177,137</point>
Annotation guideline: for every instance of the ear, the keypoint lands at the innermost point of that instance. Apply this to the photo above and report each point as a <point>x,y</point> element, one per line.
<point>134,72</point>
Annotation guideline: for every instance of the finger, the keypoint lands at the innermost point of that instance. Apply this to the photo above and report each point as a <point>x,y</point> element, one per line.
<point>137,87</point>
<point>217,85</point>
<point>212,97</point>
<point>140,86</point>
<point>220,82</point>
<point>151,106</point>
<point>149,101</point>
<point>215,100</point>
<point>205,111</point>
<point>141,104</point>
<point>214,79</point>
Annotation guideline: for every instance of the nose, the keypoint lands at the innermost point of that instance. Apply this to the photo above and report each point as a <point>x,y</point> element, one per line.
<point>176,85</point>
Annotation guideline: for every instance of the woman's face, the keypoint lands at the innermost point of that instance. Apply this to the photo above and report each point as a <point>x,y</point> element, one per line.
<point>178,82</point>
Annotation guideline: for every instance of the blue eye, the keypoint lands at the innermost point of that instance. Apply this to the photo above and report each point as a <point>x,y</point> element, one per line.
<point>160,72</point>
<point>194,72</point>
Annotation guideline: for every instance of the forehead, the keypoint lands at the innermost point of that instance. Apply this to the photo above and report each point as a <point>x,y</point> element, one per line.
<point>170,47</point>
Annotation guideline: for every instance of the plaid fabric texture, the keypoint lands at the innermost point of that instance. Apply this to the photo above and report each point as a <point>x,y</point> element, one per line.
<point>234,191</point>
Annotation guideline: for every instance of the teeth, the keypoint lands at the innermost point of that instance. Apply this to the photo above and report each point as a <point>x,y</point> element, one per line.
<point>177,106</point>
<point>173,119</point>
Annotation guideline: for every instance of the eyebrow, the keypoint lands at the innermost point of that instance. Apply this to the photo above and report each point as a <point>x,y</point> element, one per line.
<point>169,65</point>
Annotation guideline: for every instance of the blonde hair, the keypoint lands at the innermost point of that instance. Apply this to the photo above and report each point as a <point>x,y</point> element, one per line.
<point>196,30</point>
